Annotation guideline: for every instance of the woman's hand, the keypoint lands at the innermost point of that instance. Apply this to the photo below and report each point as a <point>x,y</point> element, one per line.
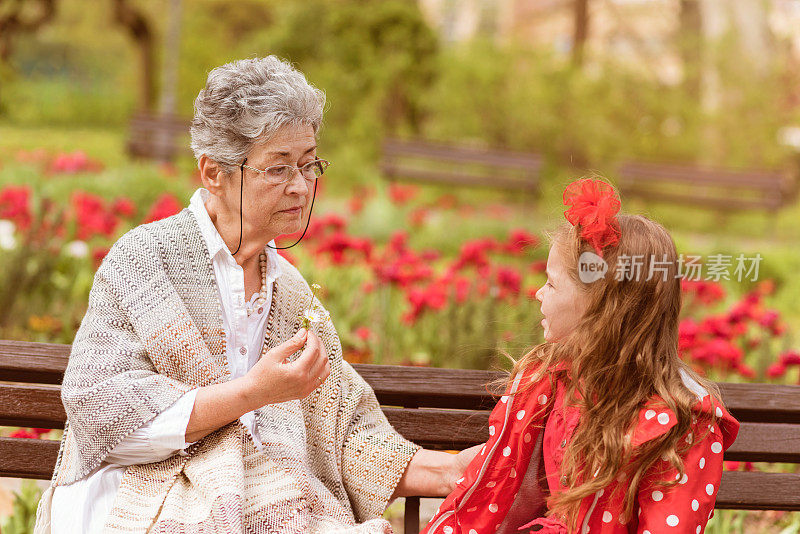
<point>462,460</point>
<point>434,473</point>
<point>273,379</point>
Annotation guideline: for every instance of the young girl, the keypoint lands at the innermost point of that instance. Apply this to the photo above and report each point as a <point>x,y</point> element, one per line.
<point>602,428</point>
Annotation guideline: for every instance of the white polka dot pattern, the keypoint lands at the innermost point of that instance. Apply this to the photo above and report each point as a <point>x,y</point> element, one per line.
<point>679,508</point>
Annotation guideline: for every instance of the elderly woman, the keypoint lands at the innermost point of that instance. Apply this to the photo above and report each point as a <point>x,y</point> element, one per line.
<point>195,401</point>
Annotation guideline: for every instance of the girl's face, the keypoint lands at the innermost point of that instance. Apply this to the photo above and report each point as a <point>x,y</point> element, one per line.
<point>563,301</point>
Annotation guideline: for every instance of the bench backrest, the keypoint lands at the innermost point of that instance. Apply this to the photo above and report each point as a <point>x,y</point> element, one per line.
<point>158,136</point>
<point>722,189</point>
<point>428,162</point>
<point>444,409</point>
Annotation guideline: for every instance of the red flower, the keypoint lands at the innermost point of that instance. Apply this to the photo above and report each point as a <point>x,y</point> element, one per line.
<point>356,204</point>
<point>91,216</point>
<point>538,266</point>
<point>98,255</point>
<point>71,163</point>
<point>706,292</point>
<point>474,253</point>
<point>433,297</point>
<point>418,217</point>
<point>594,206</point>
<point>776,370</point>
<point>166,206</point>
<point>15,205</point>
<point>791,357</point>
<point>339,243</point>
<point>510,282</point>
<point>519,240</point>
<point>447,202</point>
<point>401,194</point>
<point>124,207</point>
<point>363,333</point>
<point>23,433</point>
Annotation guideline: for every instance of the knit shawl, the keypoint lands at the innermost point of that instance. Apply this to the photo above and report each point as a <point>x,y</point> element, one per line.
<point>152,332</point>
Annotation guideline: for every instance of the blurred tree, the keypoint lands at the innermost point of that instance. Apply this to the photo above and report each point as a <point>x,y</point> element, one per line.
<point>18,17</point>
<point>139,27</point>
<point>22,16</point>
<point>690,44</point>
<point>581,30</point>
<point>375,60</point>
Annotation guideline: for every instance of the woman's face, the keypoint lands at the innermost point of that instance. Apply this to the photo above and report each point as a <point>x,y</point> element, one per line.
<point>270,209</point>
<point>563,301</point>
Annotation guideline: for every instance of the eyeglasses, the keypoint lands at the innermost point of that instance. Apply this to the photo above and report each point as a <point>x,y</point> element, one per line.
<point>280,174</point>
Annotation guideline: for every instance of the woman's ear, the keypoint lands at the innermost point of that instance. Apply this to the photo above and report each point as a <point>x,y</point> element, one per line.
<point>211,174</point>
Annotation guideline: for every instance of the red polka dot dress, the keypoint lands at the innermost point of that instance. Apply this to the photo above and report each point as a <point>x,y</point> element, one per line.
<point>487,491</point>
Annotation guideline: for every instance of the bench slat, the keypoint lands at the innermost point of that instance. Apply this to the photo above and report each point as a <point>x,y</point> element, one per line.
<point>35,458</point>
<point>742,490</point>
<point>412,174</point>
<point>649,172</point>
<point>393,149</point>
<point>721,203</point>
<point>28,458</point>
<point>22,361</point>
<point>40,406</point>
<point>36,406</point>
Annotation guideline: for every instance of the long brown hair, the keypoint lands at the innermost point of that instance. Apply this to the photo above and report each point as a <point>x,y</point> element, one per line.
<point>623,352</point>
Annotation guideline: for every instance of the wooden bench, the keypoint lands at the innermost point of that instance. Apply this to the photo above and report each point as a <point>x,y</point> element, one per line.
<point>719,189</point>
<point>444,409</point>
<point>437,163</point>
<point>159,137</point>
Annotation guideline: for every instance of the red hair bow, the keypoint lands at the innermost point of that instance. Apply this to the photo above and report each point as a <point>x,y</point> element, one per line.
<point>594,206</point>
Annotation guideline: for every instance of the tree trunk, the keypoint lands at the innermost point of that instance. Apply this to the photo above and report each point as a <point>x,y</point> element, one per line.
<point>140,30</point>
<point>172,47</point>
<point>690,44</point>
<point>12,21</point>
<point>581,31</point>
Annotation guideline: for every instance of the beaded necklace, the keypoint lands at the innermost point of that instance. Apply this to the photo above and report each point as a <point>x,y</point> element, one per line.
<point>262,294</point>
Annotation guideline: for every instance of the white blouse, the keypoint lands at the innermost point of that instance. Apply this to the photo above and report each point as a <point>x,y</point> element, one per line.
<point>83,506</point>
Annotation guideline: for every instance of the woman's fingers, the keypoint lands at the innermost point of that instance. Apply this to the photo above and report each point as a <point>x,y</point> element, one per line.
<point>313,362</point>
<point>290,346</point>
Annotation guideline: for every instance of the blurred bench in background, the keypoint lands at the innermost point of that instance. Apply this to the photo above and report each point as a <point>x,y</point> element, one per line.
<point>446,409</point>
<point>447,164</point>
<point>159,137</point>
<point>718,189</point>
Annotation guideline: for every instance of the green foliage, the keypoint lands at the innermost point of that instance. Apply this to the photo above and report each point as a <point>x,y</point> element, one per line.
<point>609,111</point>
<point>23,513</point>
<point>375,64</point>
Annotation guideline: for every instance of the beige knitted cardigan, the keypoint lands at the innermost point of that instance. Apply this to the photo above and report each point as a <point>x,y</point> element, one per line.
<point>153,331</point>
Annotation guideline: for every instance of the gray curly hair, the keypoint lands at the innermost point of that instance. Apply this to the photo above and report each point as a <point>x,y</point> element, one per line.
<point>246,102</point>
